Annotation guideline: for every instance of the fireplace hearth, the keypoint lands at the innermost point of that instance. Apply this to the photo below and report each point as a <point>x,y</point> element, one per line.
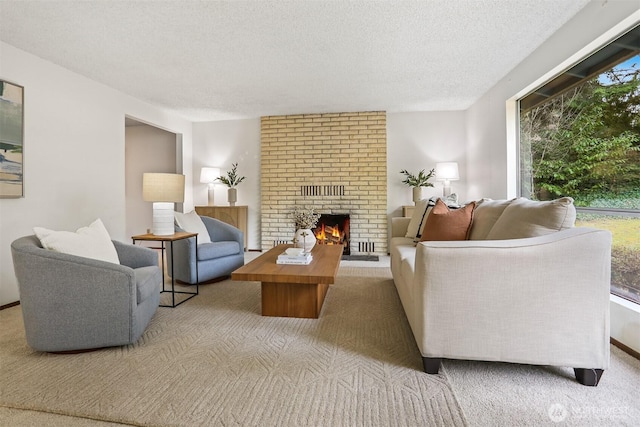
<point>333,229</point>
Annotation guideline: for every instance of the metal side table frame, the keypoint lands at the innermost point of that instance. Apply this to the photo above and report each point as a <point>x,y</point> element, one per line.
<point>172,238</point>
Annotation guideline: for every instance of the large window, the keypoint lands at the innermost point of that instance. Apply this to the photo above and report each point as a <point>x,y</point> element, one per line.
<point>580,137</point>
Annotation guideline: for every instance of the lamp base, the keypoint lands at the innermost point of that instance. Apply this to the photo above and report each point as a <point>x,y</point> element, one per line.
<point>210,194</point>
<point>446,189</point>
<point>163,219</point>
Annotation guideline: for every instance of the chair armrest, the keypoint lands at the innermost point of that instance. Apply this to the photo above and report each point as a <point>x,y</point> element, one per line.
<point>399,226</point>
<point>221,231</point>
<point>479,298</point>
<point>135,256</point>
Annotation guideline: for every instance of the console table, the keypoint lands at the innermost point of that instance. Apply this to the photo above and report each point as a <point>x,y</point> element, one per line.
<point>233,215</point>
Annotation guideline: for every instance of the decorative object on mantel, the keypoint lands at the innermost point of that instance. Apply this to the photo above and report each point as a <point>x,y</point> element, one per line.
<point>209,176</point>
<point>163,189</point>
<point>305,220</point>
<point>232,180</point>
<point>447,172</point>
<point>418,182</point>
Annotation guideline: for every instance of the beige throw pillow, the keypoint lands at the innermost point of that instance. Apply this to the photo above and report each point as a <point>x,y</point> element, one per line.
<point>485,215</point>
<point>192,223</point>
<point>92,241</point>
<point>528,218</point>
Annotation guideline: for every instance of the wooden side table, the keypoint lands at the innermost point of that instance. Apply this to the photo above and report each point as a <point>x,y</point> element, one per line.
<point>233,215</point>
<point>171,238</point>
<point>407,211</point>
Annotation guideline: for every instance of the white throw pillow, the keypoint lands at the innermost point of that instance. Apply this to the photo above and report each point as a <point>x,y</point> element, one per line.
<point>192,223</point>
<point>89,242</point>
<point>417,219</point>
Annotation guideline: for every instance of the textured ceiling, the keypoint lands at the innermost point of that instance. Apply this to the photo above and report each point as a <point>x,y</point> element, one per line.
<point>213,60</point>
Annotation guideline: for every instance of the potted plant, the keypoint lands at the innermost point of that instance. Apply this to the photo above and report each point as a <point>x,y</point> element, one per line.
<point>417,182</point>
<point>232,180</point>
<point>305,220</point>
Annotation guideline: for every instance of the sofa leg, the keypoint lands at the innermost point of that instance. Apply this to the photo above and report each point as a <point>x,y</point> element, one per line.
<point>588,377</point>
<point>431,364</point>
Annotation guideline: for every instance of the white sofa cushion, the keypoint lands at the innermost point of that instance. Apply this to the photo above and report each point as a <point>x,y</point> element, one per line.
<point>529,218</point>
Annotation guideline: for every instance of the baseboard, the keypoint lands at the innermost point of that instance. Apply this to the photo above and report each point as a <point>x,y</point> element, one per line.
<point>625,348</point>
<point>11,304</point>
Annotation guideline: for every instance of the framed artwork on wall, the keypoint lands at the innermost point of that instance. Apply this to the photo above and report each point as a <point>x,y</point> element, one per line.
<point>11,140</point>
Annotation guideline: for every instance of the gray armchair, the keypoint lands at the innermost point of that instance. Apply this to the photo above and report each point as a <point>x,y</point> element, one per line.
<point>71,303</point>
<point>215,260</point>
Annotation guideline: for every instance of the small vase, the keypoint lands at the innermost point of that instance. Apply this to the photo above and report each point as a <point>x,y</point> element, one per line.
<point>417,194</point>
<point>232,196</point>
<point>305,239</point>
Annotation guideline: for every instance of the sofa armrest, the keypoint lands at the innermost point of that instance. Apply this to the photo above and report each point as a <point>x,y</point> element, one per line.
<point>399,226</point>
<point>135,256</point>
<point>478,299</point>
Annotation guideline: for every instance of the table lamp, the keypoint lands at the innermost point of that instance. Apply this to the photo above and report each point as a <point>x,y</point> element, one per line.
<point>163,189</point>
<point>447,172</point>
<point>209,176</point>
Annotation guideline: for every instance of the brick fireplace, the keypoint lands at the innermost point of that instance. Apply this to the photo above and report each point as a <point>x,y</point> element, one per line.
<point>335,163</point>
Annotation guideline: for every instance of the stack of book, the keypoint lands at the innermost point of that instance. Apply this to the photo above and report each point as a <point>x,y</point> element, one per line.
<point>303,259</point>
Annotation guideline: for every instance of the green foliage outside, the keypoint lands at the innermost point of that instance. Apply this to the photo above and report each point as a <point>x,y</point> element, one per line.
<point>585,144</point>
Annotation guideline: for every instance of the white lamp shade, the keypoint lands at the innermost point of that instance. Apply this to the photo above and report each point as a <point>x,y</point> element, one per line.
<point>447,171</point>
<point>209,175</point>
<point>163,187</point>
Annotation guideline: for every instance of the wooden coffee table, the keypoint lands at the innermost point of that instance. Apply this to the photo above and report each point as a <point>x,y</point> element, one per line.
<point>293,290</point>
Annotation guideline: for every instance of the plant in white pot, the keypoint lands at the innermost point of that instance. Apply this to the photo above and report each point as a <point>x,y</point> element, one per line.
<point>305,221</point>
<point>232,180</point>
<point>418,182</point>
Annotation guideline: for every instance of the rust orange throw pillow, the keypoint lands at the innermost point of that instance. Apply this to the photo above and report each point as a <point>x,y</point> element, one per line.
<point>445,224</point>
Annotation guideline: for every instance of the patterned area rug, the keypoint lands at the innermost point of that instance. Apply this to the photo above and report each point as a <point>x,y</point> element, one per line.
<point>216,361</point>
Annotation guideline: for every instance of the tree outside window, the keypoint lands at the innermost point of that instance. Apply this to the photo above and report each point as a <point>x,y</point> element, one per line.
<point>585,143</point>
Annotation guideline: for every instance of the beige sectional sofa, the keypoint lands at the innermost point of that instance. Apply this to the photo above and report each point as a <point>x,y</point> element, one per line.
<point>527,287</point>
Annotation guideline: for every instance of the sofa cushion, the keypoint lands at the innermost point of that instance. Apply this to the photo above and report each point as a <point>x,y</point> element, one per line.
<point>445,224</point>
<point>148,280</point>
<point>485,215</point>
<point>528,218</point>
<point>213,250</point>
<point>192,223</point>
<point>417,218</point>
<point>92,241</point>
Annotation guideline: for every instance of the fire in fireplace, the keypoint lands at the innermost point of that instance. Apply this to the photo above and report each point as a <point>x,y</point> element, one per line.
<point>333,229</point>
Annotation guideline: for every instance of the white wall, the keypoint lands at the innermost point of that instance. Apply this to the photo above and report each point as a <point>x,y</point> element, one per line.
<point>416,141</point>
<point>74,150</point>
<point>220,144</point>
<point>147,149</point>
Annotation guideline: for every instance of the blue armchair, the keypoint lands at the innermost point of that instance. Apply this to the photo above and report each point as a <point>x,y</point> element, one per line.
<point>72,303</point>
<point>215,260</point>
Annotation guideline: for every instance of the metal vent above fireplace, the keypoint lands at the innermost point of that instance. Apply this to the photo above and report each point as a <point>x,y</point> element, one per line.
<point>322,190</point>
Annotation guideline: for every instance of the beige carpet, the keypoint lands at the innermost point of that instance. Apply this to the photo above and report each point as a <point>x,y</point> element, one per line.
<point>216,361</point>
<point>504,394</point>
